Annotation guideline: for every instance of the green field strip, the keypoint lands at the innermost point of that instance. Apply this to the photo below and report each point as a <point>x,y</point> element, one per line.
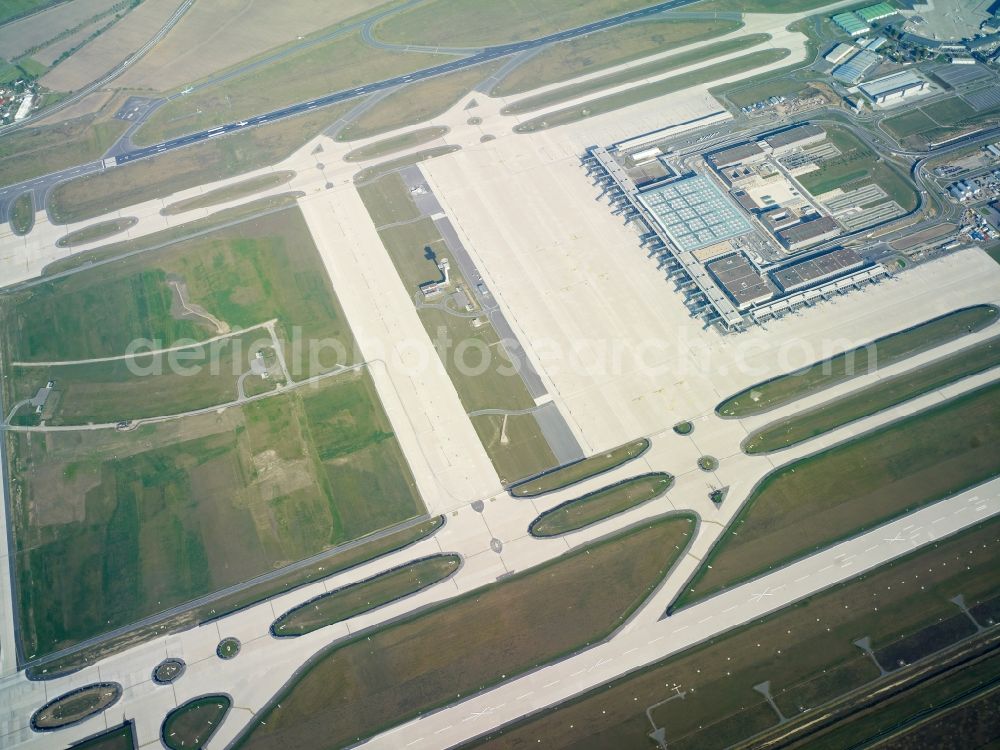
<point>230,192</point>
<point>191,725</point>
<point>570,474</point>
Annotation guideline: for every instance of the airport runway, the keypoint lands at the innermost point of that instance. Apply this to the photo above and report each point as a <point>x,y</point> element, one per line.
<point>634,648</point>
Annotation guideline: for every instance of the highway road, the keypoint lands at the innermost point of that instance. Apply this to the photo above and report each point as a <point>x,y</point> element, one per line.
<point>638,645</point>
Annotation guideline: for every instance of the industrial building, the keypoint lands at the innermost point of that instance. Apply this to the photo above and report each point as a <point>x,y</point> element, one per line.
<point>854,69</point>
<point>808,233</point>
<point>694,212</point>
<point>839,53</point>
<point>877,12</point>
<point>850,23</point>
<point>893,87</point>
<point>817,270</point>
<point>741,281</point>
<point>784,141</point>
<point>743,153</point>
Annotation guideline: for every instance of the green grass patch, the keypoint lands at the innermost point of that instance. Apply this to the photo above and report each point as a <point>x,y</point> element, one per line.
<point>908,123</point>
<point>873,399</point>
<point>335,561</point>
<point>354,689</point>
<point>804,650</point>
<point>601,504</point>
<point>121,737</point>
<point>633,74</point>
<point>396,143</point>
<point>369,174</point>
<point>862,360</point>
<point>948,111</point>
<point>160,176</point>
<point>358,598</point>
<point>144,386</point>
<point>416,102</point>
<point>831,495</point>
<point>565,476</point>
<point>32,152</point>
<point>653,90</point>
<point>22,213</point>
<point>335,65</point>
<point>93,233</point>
<point>605,49</point>
<point>190,726</point>
<point>229,192</point>
<point>515,444</point>
<point>242,275</point>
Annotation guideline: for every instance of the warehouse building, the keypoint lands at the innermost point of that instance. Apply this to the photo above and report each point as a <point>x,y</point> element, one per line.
<point>850,23</point>
<point>817,270</point>
<point>743,153</point>
<point>798,137</point>
<point>894,87</point>
<point>854,69</point>
<point>808,233</point>
<point>877,12</point>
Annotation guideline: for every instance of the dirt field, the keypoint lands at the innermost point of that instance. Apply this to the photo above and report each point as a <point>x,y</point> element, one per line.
<point>831,495</point>
<point>19,36</point>
<point>354,690</point>
<point>806,652</point>
<point>101,55</point>
<point>214,36</point>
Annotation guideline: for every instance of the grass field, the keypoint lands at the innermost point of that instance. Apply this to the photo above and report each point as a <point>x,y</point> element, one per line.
<point>858,165</point>
<point>459,23</point>
<point>882,352</point>
<point>873,399</point>
<point>12,9</point>
<point>158,177</point>
<point>571,474</point>
<point>242,275</point>
<point>336,561</point>
<point>121,737</point>
<point>746,95</point>
<point>604,49</point>
<point>382,168</point>
<point>637,73</point>
<point>32,152</point>
<point>601,504</point>
<point>396,143</point>
<point>76,705</point>
<point>192,725</point>
<point>416,102</point>
<point>154,518</point>
<point>653,90</point>
<point>909,123</point>
<point>22,213</point>
<point>759,6</point>
<point>148,386</point>
<point>93,233</point>
<point>805,651</point>
<point>477,364</point>
<point>230,192</point>
<point>357,688</point>
<point>340,64</point>
<point>838,492</point>
<point>361,597</point>
<point>255,209</point>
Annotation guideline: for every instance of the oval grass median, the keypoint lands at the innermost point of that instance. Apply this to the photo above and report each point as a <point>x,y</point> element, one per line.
<point>604,503</point>
<point>95,232</point>
<point>788,387</point>
<point>358,598</point>
<point>873,399</point>
<point>354,689</point>
<point>832,495</point>
<point>76,706</point>
<point>191,725</point>
<point>229,192</point>
<point>22,213</point>
<point>644,92</point>
<point>570,474</point>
